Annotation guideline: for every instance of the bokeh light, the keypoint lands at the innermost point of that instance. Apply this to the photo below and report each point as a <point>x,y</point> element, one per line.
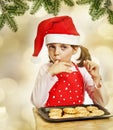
<point>18,69</point>
<point>106,31</point>
<point>1,41</point>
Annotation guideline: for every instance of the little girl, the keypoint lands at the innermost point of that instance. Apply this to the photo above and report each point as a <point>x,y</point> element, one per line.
<point>62,82</point>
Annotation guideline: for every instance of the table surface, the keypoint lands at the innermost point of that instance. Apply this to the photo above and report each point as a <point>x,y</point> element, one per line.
<point>96,124</point>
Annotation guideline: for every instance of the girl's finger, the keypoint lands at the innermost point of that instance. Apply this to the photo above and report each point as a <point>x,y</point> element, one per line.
<point>87,65</point>
<point>57,61</point>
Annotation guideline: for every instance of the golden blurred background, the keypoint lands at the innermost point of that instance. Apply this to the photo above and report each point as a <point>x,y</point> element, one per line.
<point>18,70</point>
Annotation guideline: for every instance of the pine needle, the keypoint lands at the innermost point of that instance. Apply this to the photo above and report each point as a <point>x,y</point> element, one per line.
<point>36,5</point>
<point>2,21</point>
<point>69,2</point>
<point>10,21</point>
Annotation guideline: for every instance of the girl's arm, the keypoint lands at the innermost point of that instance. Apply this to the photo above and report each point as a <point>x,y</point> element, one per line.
<point>43,84</point>
<point>94,86</point>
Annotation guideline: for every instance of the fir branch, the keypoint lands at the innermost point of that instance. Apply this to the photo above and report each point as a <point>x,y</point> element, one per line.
<point>2,21</point>
<point>15,10</point>
<point>2,4</point>
<point>56,6</point>
<point>69,2</point>
<point>107,3</point>
<point>96,14</point>
<point>21,4</point>
<point>110,16</point>
<point>11,8</point>
<point>96,4</point>
<point>80,2</point>
<point>18,12</point>
<point>30,0</point>
<point>99,8</point>
<point>10,21</point>
<point>36,5</point>
<point>48,5</point>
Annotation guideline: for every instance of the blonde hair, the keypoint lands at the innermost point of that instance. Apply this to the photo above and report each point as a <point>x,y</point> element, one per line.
<point>84,55</point>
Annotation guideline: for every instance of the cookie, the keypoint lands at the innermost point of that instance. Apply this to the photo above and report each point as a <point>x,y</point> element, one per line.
<point>80,108</point>
<point>81,115</point>
<point>66,115</point>
<point>69,110</point>
<point>91,108</point>
<point>57,110</point>
<point>97,113</point>
<point>55,113</point>
<point>55,117</point>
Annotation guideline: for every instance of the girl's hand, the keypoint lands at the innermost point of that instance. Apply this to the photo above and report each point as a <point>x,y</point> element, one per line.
<point>58,67</point>
<point>93,70</point>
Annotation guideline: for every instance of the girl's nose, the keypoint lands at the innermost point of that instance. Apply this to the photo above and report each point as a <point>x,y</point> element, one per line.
<point>57,51</point>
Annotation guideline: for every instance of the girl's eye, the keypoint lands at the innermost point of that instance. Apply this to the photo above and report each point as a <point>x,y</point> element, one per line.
<point>63,47</point>
<point>51,47</point>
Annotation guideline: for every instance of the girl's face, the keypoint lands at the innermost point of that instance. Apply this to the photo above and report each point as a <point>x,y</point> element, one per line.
<point>60,52</point>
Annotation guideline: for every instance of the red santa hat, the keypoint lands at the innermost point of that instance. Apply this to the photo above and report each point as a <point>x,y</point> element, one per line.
<point>56,30</point>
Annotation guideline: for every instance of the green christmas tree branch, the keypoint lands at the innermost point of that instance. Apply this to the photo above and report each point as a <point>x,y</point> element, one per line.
<point>56,7</point>
<point>48,6</point>
<point>36,5</point>
<point>69,2</point>
<point>21,4</point>
<point>110,16</point>
<point>9,9</point>
<point>2,21</point>
<point>99,8</point>
<point>10,21</point>
<point>81,2</point>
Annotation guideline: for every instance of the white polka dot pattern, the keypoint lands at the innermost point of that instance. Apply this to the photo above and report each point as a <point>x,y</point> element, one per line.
<point>68,90</point>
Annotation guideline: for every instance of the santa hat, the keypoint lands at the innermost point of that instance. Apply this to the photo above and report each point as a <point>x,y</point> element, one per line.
<point>56,30</point>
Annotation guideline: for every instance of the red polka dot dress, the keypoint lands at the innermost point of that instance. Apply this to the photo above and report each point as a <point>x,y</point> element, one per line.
<point>68,90</point>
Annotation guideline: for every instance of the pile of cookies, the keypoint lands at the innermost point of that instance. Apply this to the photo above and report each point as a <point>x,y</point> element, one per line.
<point>78,111</point>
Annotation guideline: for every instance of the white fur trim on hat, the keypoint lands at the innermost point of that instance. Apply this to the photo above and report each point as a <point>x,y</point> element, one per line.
<point>62,38</point>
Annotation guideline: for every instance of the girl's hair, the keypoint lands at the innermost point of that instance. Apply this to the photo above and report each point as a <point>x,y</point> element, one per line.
<point>84,55</point>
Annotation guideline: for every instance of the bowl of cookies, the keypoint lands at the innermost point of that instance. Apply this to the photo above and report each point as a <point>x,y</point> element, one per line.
<point>72,113</point>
